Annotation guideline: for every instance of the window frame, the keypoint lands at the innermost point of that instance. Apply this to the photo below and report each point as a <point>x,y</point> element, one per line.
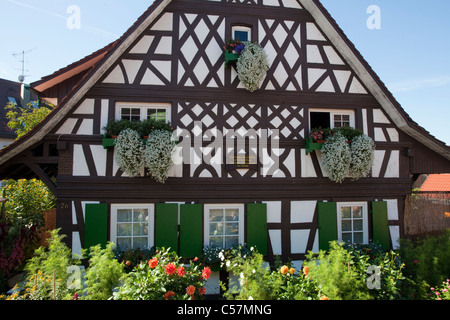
<point>206,222</point>
<point>333,112</point>
<point>365,220</point>
<point>151,221</point>
<point>241,28</point>
<point>143,107</point>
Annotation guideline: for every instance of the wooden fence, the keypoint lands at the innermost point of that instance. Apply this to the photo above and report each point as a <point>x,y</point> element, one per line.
<point>427,213</point>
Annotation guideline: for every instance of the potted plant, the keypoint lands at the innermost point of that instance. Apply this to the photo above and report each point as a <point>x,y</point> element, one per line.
<point>233,48</point>
<point>316,139</point>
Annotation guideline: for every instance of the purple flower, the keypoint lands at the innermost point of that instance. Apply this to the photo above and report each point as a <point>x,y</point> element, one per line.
<point>239,48</point>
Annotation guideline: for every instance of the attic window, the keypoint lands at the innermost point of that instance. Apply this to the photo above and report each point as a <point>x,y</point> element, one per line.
<point>331,118</point>
<point>134,111</point>
<point>241,33</point>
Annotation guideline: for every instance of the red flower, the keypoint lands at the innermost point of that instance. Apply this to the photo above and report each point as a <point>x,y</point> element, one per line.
<point>152,263</point>
<point>181,272</point>
<point>201,291</point>
<point>206,273</point>
<point>168,294</point>
<point>190,290</point>
<point>127,263</point>
<point>170,268</point>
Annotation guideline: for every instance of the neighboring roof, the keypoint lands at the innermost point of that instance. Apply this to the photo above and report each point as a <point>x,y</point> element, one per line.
<point>8,89</point>
<point>437,182</point>
<point>103,59</point>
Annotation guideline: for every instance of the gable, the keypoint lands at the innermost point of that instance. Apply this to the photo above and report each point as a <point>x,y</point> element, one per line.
<point>177,46</point>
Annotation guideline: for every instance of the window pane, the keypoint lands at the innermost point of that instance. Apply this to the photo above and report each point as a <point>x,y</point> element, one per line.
<point>358,237</point>
<point>346,212</point>
<point>140,242</point>
<point>140,215</point>
<point>231,214</point>
<point>124,229</point>
<point>124,215</point>
<point>124,243</point>
<point>140,229</point>
<point>156,114</point>
<point>216,241</point>
<point>347,237</point>
<point>346,225</point>
<point>357,225</point>
<point>231,241</point>
<point>216,215</point>
<point>241,35</point>
<point>357,212</point>
<point>232,229</point>
<point>215,229</point>
<point>319,120</point>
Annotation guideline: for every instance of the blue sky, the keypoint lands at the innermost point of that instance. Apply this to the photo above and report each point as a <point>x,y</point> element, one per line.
<point>410,51</point>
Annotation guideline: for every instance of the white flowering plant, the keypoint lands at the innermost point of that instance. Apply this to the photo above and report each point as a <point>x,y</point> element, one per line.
<point>252,65</point>
<point>362,151</point>
<point>336,157</point>
<point>129,150</point>
<point>158,154</point>
<point>342,157</point>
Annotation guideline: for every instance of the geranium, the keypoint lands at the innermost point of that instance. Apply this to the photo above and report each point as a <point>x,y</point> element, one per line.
<point>252,66</point>
<point>206,273</point>
<point>170,268</point>
<point>168,295</point>
<point>190,290</point>
<point>180,271</point>
<point>153,263</point>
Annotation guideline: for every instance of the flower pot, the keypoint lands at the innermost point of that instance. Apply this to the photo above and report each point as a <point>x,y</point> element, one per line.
<point>108,142</point>
<point>311,146</point>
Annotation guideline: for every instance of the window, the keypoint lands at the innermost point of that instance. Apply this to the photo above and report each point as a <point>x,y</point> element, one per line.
<point>352,222</point>
<point>241,33</point>
<point>224,225</point>
<point>331,118</point>
<point>132,226</point>
<point>141,111</point>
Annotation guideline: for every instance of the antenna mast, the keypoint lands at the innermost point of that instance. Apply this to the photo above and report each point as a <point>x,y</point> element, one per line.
<point>22,54</point>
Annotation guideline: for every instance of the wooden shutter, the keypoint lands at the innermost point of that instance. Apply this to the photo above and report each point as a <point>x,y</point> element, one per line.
<point>95,225</point>
<point>166,230</point>
<point>327,219</point>
<point>191,230</point>
<point>380,224</point>
<point>257,226</point>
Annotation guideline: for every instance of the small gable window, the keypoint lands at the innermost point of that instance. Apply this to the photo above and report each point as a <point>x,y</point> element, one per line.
<point>242,33</point>
<point>331,118</point>
<point>142,111</point>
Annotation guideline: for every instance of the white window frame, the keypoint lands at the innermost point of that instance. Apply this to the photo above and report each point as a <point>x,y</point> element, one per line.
<point>151,220</point>
<point>241,214</point>
<point>244,29</point>
<point>332,113</point>
<point>143,109</point>
<point>365,218</point>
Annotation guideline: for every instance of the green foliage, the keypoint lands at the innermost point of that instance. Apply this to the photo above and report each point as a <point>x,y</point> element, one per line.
<point>334,273</point>
<point>442,292</point>
<point>427,262</point>
<point>164,277</point>
<point>27,201</point>
<point>103,274</point>
<point>22,120</point>
<point>144,127</point>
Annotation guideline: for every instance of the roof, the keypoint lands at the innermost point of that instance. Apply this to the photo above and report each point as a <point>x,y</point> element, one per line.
<point>437,182</point>
<point>103,59</point>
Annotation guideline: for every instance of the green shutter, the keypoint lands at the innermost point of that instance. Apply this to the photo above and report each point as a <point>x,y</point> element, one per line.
<point>95,225</point>
<point>380,224</point>
<point>166,230</point>
<point>257,226</point>
<point>327,219</point>
<point>191,230</point>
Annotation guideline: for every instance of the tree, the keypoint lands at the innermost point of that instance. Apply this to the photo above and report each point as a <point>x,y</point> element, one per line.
<point>22,120</point>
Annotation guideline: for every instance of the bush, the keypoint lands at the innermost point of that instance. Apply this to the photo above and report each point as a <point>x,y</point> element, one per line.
<point>164,277</point>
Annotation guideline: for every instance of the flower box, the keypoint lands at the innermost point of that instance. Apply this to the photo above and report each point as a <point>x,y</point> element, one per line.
<point>108,143</point>
<point>231,57</point>
<point>311,146</point>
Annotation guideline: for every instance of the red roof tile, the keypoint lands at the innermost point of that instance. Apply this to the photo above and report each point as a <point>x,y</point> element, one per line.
<point>437,182</point>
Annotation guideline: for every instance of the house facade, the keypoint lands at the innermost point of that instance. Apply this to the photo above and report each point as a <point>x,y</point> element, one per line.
<point>245,174</point>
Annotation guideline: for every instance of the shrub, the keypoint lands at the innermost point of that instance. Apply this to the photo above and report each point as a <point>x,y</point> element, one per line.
<point>103,273</point>
<point>164,277</point>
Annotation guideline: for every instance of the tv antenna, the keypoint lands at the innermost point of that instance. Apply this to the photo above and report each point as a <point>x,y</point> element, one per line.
<point>21,56</point>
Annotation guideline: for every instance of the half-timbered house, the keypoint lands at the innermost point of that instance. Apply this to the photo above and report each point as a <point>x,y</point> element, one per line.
<point>171,63</point>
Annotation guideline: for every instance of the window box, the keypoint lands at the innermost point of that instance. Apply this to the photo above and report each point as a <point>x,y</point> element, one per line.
<point>108,143</point>
<point>311,146</point>
<point>231,57</point>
